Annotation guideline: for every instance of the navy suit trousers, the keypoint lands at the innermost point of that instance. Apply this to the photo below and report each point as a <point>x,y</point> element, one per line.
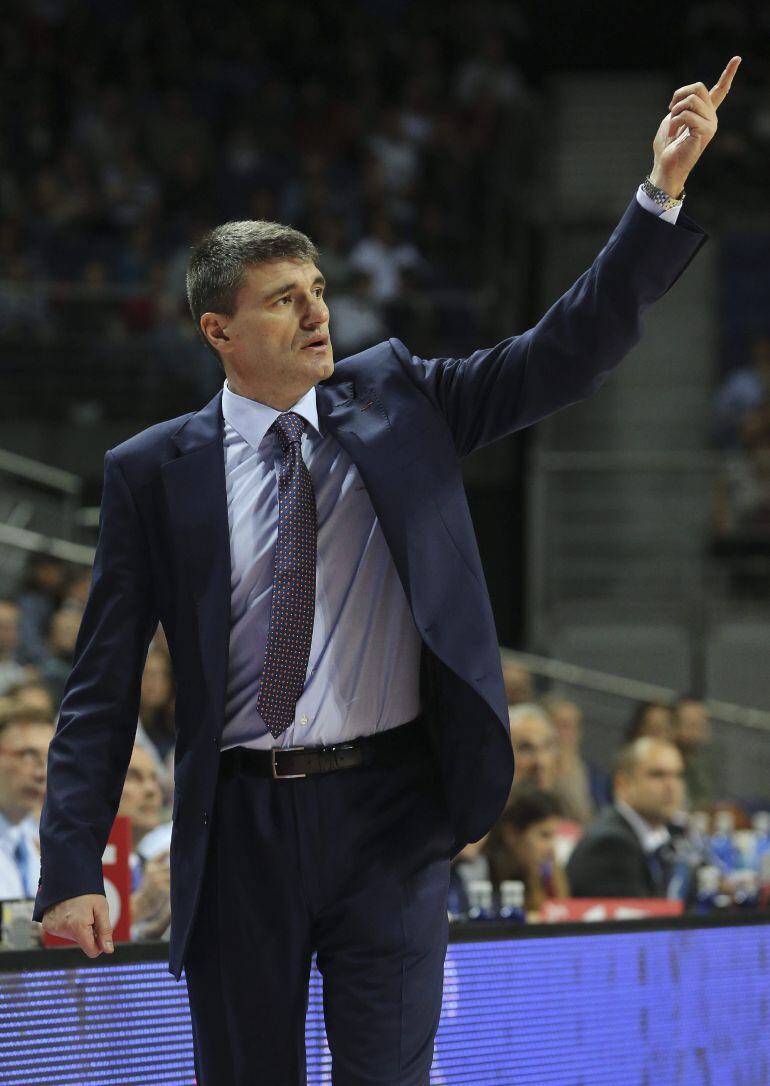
<point>352,865</point>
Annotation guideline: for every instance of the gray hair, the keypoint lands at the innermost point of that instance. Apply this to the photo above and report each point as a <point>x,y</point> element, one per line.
<point>219,260</point>
<point>517,713</point>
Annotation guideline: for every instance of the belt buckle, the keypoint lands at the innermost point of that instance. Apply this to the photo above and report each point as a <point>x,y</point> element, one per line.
<point>283,776</point>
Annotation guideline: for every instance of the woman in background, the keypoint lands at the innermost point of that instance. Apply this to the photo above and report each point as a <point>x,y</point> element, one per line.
<point>521,846</point>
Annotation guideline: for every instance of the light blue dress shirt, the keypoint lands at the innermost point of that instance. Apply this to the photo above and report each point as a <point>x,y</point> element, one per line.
<point>363,670</point>
<point>19,867</point>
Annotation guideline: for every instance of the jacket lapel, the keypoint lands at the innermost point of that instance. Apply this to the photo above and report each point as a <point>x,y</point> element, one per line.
<point>196,496</point>
<point>358,418</point>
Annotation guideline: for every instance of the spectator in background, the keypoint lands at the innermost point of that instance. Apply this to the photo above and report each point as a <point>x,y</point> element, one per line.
<point>692,734</point>
<point>77,587</point>
<point>55,668</point>
<point>573,776</point>
<point>33,694</point>
<point>534,746</point>
<point>39,598</point>
<point>12,672</point>
<point>521,846</point>
<point>650,718</point>
<point>395,154</point>
<point>519,686</point>
<point>331,237</point>
<point>357,318</point>
<point>535,749</point>
<point>489,76</point>
<point>25,735</point>
<point>142,803</point>
<point>410,315</point>
<point>383,257</point>
<point>156,702</point>
<point>742,494</point>
<point>744,390</point>
<point>626,852</point>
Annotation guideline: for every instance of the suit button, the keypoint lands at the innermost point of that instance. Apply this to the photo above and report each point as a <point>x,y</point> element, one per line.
<point>205,818</point>
<point>216,742</point>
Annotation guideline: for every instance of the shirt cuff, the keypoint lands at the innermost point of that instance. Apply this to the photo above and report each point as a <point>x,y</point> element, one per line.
<point>649,205</point>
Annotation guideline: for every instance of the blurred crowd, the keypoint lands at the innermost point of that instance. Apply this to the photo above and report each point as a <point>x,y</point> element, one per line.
<point>635,828</point>
<point>390,134</point>
<point>570,828</point>
<point>742,432</point>
<point>383,147</point>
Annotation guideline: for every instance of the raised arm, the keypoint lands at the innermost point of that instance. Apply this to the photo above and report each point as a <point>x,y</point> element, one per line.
<point>591,328</point>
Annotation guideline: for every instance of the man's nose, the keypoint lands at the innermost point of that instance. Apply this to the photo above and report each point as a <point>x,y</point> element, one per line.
<point>317,312</point>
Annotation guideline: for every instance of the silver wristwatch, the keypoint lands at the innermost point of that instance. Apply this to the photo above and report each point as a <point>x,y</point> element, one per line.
<point>661,198</point>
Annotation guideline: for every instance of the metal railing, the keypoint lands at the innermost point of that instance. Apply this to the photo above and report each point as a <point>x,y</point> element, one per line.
<point>740,750</point>
<point>38,514</point>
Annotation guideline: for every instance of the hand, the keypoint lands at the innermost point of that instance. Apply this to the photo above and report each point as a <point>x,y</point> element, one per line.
<point>687,130</point>
<point>85,920</point>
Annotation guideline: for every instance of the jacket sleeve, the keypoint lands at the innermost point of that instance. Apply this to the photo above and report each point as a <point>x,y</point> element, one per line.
<point>570,351</point>
<point>90,751</point>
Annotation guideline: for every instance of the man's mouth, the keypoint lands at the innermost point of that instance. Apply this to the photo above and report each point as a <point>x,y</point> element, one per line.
<point>318,343</point>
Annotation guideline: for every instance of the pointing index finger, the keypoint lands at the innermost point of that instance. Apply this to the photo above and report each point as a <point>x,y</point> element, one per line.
<point>719,91</point>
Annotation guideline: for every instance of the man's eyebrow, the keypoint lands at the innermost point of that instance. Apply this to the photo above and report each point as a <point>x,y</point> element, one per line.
<point>319,281</point>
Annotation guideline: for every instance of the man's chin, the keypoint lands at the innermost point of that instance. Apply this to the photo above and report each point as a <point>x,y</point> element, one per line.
<point>326,366</point>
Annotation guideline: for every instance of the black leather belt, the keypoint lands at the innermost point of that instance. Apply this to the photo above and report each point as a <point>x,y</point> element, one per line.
<point>293,763</point>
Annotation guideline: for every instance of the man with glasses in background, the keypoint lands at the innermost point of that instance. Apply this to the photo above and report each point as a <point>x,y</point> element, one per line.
<point>25,733</point>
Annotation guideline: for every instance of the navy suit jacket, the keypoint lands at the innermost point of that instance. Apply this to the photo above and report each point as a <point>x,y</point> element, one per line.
<point>163,555</point>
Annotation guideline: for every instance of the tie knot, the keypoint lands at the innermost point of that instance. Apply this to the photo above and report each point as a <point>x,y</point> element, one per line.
<point>290,427</point>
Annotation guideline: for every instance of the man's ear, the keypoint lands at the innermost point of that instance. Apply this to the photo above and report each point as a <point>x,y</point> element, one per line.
<point>214,328</point>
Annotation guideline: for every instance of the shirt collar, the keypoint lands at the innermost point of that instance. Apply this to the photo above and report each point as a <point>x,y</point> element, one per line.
<point>650,837</point>
<point>252,419</point>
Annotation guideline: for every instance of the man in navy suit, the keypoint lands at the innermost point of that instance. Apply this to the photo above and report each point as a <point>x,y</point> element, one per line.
<point>341,718</point>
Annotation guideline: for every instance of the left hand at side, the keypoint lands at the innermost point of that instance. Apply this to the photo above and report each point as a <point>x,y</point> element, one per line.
<point>687,130</point>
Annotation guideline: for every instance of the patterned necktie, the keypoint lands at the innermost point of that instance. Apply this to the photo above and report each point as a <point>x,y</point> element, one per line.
<point>293,607</point>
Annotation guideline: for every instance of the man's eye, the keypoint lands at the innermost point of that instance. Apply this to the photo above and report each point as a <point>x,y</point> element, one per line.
<point>284,299</point>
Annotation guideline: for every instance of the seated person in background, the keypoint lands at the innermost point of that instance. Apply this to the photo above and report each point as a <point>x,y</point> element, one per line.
<point>62,636</point>
<point>626,852</point>
<point>35,695</point>
<point>535,748</point>
<point>521,845</point>
<point>651,718</point>
<point>573,775</point>
<point>25,734</point>
<point>534,745</point>
<point>692,734</point>
<point>156,701</point>
<point>142,803</point>
<point>519,684</point>
<point>12,671</point>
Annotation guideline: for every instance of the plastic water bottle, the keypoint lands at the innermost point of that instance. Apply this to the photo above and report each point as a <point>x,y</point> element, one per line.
<point>512,901</point>
<point>722,843</point>
<point>457,904</point>
<point>760,823</point>
<point>707,879</point>
<point>764,881</point>
<point>480,905</point>
<point>745,887</point>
